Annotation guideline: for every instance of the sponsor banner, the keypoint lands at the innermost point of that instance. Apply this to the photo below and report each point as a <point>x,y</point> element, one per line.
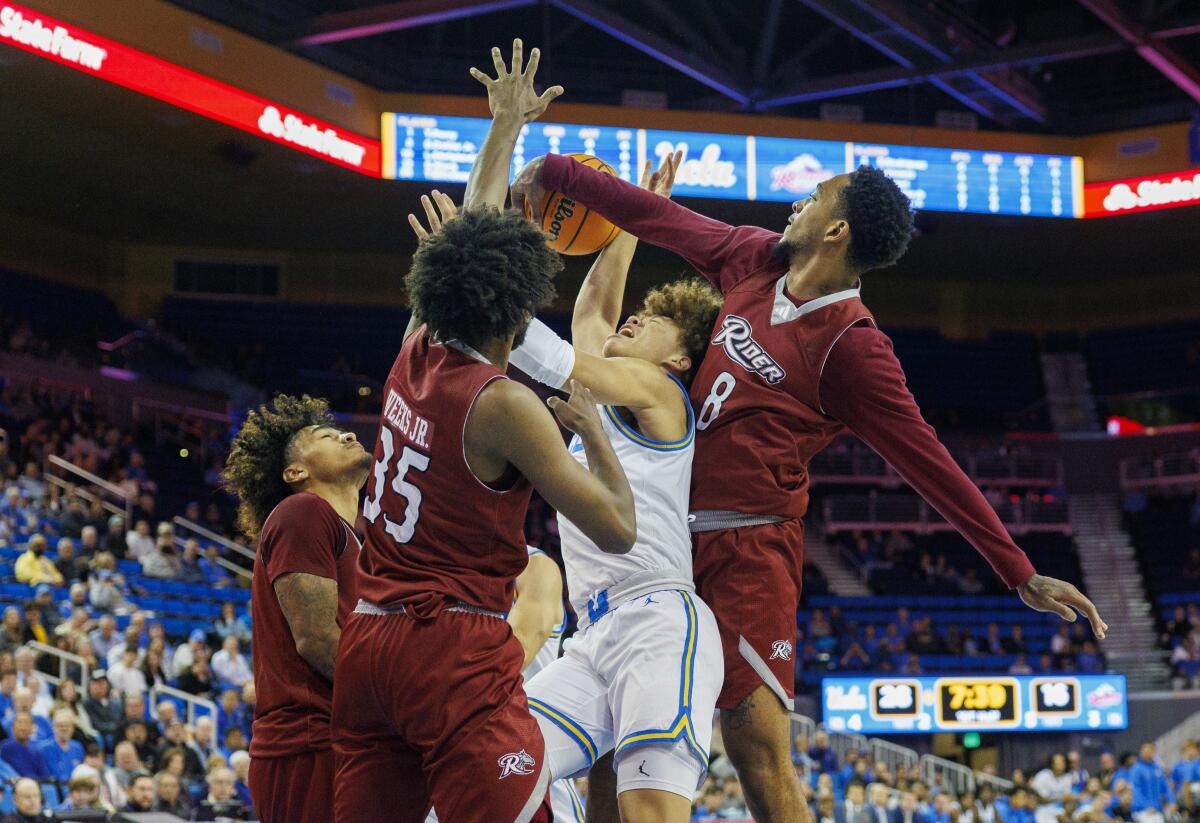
<point>1158,191</point>
<point>977,703</point>
<point>141,72</point>
<point>433,148</point>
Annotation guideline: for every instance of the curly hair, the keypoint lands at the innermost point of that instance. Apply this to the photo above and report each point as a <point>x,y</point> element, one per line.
<point>260,452</point>
<point>692,305</point>
<point>482,276</point>
<point>880,217</point>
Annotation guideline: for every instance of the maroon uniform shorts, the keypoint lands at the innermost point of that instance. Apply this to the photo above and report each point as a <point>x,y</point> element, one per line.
<point>293,789</point>
<point>751,579</point>
<point>431,712</point>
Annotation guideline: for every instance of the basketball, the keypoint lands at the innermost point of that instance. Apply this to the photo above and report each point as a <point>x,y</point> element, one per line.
<point>573,228</point>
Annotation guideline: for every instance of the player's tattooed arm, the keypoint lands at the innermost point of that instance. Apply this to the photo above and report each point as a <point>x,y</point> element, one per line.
<point>309,603</point>
<point>513,102</point>
<point>598,305</point>
<point>509,423</point>
<point>538,607</point>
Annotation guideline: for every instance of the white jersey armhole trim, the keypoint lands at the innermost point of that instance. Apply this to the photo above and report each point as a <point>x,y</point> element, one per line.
<point>466,418</point>
<point>821,371</point>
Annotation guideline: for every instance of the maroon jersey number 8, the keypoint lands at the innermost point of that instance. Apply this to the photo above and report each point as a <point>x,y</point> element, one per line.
<point>722,387</point>
<point>410,458</point>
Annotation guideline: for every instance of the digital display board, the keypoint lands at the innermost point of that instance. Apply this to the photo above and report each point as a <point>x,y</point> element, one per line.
<point>439,149</point>
<point>987,703</point>
<point>154,77</point>
<point>1157,191</point>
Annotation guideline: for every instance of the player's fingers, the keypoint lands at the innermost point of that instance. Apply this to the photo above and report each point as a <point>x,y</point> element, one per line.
<point>435,224</point>
<point>417,228</point>
<point>1081,602</point>
<point>481,77</point>
<point>535,57</point>
<point>445,205</point>
<point>498,62</point>
<point>1062,610</point>
<point>518,55</point>
<point>550,95</point>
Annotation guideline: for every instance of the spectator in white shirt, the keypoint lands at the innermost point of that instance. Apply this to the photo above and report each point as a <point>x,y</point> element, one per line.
<point>125,676</point>
<point>139,542</point>
<point>230,665</point>
<point>1054,782</point>
<point>162,562</point>
<point>186,654</point>
<point>105,637</point>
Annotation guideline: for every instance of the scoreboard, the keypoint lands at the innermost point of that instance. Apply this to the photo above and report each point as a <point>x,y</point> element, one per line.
<point>895,704</point>
<point>438,149</point>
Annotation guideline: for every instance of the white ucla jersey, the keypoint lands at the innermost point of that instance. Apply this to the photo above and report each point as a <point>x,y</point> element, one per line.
<point>548,653</point>
<point>660,475</point>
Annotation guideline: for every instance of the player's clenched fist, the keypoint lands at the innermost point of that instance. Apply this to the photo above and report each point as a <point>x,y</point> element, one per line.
<point>578,412</point>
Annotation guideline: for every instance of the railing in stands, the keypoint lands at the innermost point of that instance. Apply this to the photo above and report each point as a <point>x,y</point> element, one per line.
<point>180,425</point>
<point>124,507</point>
<point>195,528</point>
<point>842,742</point>
<point>803,727</point>
<point>961,778</point>
<point>863,512</point>
<point>860,466</point>
<point>1001,785</point>
<point>892,755</point>
<point>193,703</point>
<point>1161,472</point>
<point>64,659</point>
<point>240,571</point>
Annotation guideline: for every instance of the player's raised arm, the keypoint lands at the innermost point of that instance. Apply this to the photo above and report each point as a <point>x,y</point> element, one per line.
<point>863,386</point>
<point>513,103</point>
<point>720,252</point>
<point>598,304</point>
<point>539,605</point>
<point>510,422</point>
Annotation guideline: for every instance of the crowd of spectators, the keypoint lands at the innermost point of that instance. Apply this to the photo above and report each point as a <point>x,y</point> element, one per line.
<point>897,556</point>
<point>1181,634</point>
<point>1131,788</point>
<point>829,642</point>
<point>102,745</point>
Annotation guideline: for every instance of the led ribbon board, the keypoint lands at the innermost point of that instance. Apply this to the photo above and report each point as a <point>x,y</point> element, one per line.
<point>89,53</point>
<point>897,704</point>
<point>742,167</point>
<point>1133,194</point>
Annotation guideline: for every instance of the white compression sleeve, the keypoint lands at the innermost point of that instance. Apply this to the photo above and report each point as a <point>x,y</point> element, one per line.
<point>544,356</point>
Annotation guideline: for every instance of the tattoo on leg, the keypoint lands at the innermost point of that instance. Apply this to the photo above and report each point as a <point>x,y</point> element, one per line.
<point>739,718</point>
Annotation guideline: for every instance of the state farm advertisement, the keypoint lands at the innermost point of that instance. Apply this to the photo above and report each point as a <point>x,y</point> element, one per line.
<point>144,73</point>
<point>1159,191</point>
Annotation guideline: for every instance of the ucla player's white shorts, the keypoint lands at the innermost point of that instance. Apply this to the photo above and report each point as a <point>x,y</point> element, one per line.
<point>642,679</point>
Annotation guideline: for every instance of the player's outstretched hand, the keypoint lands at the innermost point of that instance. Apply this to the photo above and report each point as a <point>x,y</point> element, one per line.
<point>578,412</point>
<point>511,93</point>
<point>1047,594</point>
<point>661,181</point>
<point>438,217</point>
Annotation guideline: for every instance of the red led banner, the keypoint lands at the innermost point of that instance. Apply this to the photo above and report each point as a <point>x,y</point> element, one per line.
<point>81,50</point>
<point>1157,191</point>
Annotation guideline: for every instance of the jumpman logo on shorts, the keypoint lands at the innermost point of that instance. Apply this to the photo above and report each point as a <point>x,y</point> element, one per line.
<point>649,599</point>
<point>642,769</point>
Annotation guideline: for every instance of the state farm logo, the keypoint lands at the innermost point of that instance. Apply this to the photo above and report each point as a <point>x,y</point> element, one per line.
<point>800,176</point>
<point>1153,193</point>
<point>292,129</point>
<point>53,40</point>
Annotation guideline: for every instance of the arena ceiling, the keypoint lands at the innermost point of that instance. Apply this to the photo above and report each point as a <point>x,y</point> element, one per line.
<point>1060,66</point>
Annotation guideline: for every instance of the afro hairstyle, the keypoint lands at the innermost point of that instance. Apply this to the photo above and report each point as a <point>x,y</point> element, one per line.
<point>482,276</point>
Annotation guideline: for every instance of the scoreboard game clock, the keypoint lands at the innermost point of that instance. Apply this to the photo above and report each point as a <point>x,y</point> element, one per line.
<point>976,703</point>
<point>970,703</point>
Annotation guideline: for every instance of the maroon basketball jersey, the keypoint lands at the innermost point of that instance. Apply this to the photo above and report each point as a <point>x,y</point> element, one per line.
<point>757,396</point>
<point>434,531</point>
<point>302,535</point>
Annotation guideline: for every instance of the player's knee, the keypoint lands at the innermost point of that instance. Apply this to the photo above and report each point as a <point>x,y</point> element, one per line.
<point>653,806</point>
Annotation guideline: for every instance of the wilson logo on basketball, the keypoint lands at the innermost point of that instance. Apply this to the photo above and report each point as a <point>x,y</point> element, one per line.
<point>516,763</point>
<point>564,210</point>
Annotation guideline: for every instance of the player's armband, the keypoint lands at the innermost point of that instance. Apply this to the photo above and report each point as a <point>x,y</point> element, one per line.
<point>544,356</point>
